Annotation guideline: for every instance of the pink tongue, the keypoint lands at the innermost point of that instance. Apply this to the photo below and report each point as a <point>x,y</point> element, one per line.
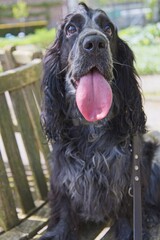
<point>93,96</point>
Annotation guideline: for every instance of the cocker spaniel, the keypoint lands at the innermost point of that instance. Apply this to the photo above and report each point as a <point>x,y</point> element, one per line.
<point>92,108</point>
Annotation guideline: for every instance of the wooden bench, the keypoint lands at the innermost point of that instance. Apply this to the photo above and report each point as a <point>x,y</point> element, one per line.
<point>24,160</point>
<point>24,170</point>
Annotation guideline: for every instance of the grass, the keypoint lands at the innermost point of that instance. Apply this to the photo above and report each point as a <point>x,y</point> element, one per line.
<point>147,59</point>
<point>41,37</point>
<point>148,35</point>
<point>145,43</point>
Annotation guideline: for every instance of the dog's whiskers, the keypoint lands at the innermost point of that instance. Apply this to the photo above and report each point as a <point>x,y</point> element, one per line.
<point>121,64</point>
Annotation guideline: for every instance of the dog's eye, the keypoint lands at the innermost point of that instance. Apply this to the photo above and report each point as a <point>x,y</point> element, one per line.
<point>108,30</point>
<point>71,29</point>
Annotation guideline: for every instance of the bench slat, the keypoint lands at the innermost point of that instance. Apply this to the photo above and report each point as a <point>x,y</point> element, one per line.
<point>14,157</point>
<point>35,119</point>
<point>8,215</point>
<point>19,77</point>
<point>29,227</point>
<point>30,140</point>
<point>37,91</point>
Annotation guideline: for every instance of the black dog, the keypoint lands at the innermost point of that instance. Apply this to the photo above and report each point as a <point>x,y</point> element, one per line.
<point>92,109</point>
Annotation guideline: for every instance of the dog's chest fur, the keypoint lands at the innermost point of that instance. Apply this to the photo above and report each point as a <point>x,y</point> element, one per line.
<point>94,175</point>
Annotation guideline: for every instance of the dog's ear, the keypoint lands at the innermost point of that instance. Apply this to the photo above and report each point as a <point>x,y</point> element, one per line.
<point>53,89</point>
<point>132,116</point>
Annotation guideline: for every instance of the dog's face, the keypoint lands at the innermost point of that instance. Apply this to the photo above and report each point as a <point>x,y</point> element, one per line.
<point>87,56</point>
<point>88,40</point>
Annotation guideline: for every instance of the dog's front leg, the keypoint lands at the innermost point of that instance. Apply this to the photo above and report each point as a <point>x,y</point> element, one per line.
<point>63,222</point>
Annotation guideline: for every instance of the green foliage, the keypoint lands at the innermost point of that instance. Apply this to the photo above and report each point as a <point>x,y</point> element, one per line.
<point>6,11</point>
<point>105,2</point>
<point>148,35</point>
<point>145,43</point>
<point>151,4</point>
<point>41,37</point>
<point>147,59</point>
<point>20,10</point>
<point>3,7</point>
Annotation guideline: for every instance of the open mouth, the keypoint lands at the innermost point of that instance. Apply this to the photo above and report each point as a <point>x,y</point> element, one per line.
<point>93,95</point>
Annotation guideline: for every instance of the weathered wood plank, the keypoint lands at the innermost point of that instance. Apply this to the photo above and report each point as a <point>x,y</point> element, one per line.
<point>37,92</point>
<point>14,157</point>
<point>29,227</point>
<point>19,77</point>
<point>30,140</point>
<point>10,62</point>
<point>8,215</point>
<point>35,119</point>
<point>3,60</point>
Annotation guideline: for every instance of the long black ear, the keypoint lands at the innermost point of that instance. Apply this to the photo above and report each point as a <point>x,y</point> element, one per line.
<point>53,105</point>
<point>131,116</point>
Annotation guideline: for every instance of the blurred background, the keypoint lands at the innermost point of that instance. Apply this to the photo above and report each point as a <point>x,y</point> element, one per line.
<point>28,27</point>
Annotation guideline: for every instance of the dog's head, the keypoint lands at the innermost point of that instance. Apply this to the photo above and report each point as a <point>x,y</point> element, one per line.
<point>89,35</point>
<point>89,75</point>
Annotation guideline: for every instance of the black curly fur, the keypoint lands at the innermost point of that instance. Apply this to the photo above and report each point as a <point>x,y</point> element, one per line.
<point>91,166</point>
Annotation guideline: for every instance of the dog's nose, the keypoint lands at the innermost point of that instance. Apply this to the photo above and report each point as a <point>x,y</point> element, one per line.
<point>94,43</point>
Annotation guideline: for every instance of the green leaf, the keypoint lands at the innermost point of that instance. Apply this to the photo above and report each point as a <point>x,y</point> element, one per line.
<point>20,10</point>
